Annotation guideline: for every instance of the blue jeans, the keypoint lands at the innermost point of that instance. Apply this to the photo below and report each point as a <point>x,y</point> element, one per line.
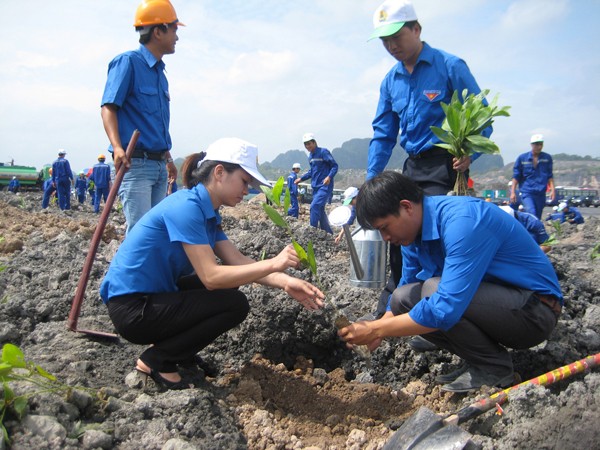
<point>318,216</point>
<point>144,186</point>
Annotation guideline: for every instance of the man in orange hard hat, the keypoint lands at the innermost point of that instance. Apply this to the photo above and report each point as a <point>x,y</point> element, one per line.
<point>101,178</point>
<point>136,96</point>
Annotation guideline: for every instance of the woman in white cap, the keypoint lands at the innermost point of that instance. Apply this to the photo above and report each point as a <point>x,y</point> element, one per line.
<point>349,200</point>
<point>164,287</point>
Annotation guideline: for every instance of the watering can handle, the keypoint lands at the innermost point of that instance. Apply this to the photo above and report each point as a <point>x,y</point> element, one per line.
<point>358,270</point>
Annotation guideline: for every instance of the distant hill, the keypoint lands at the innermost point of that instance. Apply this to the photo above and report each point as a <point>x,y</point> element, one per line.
<point>353,154</point>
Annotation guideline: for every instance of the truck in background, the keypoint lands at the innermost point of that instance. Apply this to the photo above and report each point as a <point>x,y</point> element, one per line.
<point>29,177</point>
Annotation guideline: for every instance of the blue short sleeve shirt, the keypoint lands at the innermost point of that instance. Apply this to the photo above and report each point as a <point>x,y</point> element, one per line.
<point>409,103</point>
<point>151,258</point>
<point>466,241</point>
<point>137,85</point>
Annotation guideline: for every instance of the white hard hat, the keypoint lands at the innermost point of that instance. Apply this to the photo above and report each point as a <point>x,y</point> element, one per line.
<point>537,138</point>
<point>296,166</point>
<point>562,206</point>
<point>306,137</point>
<point>62,151</point>
<point>508,209</point>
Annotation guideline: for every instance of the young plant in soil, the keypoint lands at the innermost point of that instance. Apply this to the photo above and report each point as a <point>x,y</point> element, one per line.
<point>307,257</point>
<point>461,130</point>
<point>14,368</point>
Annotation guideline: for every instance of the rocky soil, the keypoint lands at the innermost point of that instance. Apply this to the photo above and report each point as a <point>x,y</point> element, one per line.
<point>282,379</point>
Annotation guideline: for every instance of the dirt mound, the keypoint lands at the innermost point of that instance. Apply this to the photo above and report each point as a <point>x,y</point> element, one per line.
<point>282,378</point>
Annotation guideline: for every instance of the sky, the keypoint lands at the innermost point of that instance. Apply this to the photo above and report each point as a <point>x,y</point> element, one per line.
<point>268,71</point>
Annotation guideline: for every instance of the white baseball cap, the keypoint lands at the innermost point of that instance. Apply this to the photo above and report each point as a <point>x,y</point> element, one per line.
<point>236,151</point>
<point>562,206</point>
<point>391,16</point>
<point>508,209</point>
<point>62,151</point>
<point>296,166</point>
<point>306,137</point>
<point>537,138</point>
<point>349,194</point>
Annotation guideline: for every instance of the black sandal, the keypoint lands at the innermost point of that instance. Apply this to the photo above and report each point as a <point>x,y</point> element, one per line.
<point>162,382</point>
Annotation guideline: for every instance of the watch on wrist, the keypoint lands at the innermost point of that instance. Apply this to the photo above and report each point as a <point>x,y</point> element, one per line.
<point>169,160</point>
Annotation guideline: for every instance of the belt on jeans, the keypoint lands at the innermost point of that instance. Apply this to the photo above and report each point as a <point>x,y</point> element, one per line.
<point>431,153</point>
<point>154,156</point>
<point>551,302</point>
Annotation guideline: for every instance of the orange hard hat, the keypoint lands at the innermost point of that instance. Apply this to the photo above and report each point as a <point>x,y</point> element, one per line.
<point>101,156</point>
<point>155,12</point>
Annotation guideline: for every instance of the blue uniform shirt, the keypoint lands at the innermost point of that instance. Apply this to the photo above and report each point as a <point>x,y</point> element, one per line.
<point>293,187</point>
<point>151,258</point>
<point>322,165</point>
<point>533,180</point>
<point>573,215</point>
<point>138,86</point>
<point>61,170</point>
<point>410,103</point>
<point>466,241</point>
<point>533,225</point>
<point>101,175</point>
<point>81,185</point>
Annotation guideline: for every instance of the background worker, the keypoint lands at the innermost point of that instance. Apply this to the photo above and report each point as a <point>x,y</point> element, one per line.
<point>49,190</point>
<point>14,185</point>
<point>62,179</point>
<point>81,187</point>
<point>101,178</point>
<point>136,96</point>
<point>534,226</point>
<point>349,200</point>
<point>165,288</point>
<point>410,98</point>
<point>570,214</point>
<point>294,208</point>
<point>532,173</point>
<point>473,281</point>
<point>322,171</point>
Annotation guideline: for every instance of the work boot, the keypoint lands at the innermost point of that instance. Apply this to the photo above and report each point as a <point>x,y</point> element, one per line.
<point>474,377</point>
<point>420,344</point>
<point>450,377</point>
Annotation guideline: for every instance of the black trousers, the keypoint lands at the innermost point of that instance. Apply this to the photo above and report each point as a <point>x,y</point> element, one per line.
<point>497,317</point>
<point>179,324</point>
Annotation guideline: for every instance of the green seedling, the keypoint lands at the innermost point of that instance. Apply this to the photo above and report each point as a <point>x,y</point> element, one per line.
<point>466,118</point>
<point>595,252</point>
<point>14,368</point>
<point>552,240</point>
<point>306,256</point>
<point>557,227</point>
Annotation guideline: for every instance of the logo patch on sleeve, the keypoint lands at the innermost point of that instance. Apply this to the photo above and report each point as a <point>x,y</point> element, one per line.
<point>432,95</point>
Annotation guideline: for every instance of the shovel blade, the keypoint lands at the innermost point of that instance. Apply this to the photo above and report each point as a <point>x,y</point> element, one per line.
<point>425,430</point>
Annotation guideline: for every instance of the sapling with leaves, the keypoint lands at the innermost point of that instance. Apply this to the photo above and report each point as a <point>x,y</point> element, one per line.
<point>14,368</point>
<point>306,256</point>
<point>461,130</point>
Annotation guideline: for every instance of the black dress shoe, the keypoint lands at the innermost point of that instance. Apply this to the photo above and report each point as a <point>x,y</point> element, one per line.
<point>420,344</point>
<point>474,378</point>
<point>450,377</point>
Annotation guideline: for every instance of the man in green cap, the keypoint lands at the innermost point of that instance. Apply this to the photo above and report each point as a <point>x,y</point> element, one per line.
<point>409,104</point>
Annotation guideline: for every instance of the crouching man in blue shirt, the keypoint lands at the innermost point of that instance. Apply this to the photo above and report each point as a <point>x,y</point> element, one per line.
<point>473,281</point>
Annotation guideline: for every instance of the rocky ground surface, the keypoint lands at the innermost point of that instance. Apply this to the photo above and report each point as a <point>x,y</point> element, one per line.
<point>282,379</point>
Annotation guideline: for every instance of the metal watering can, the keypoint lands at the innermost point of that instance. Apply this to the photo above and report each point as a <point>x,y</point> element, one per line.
<point>368,251</point>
